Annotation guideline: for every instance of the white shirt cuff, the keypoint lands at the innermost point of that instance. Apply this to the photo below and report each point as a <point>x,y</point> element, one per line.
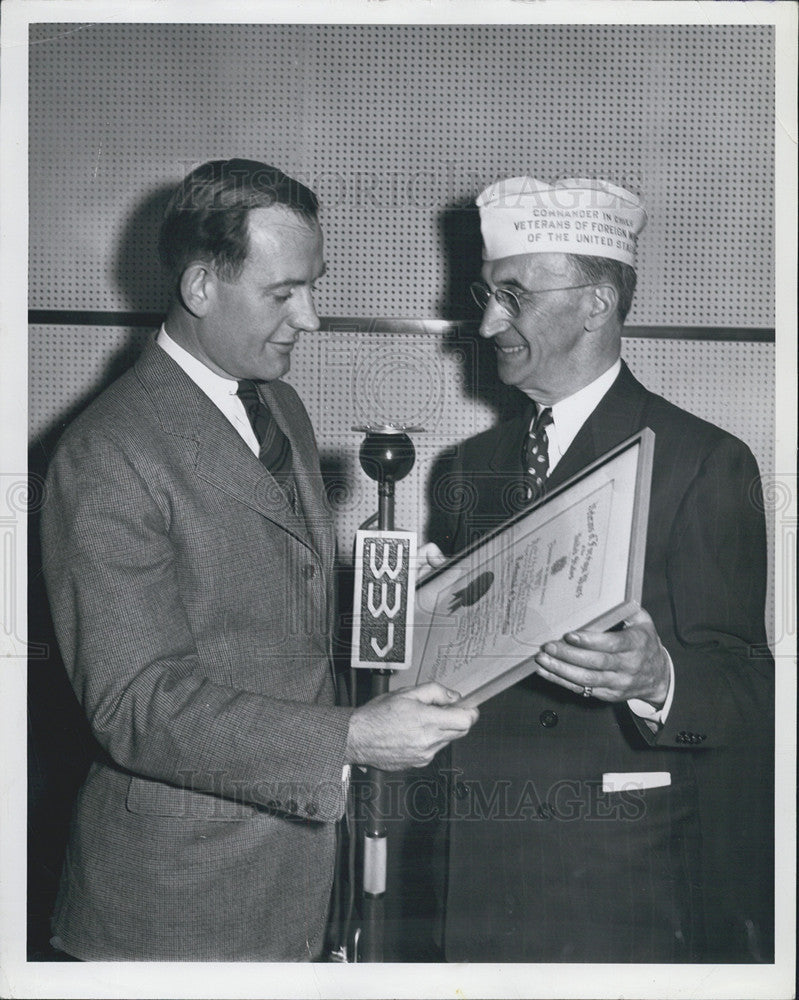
<point>646,711</point>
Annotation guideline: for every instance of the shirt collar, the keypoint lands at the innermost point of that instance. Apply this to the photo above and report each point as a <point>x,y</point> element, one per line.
<point>571,413</point>
<point>579,406</point>
<point>213,385</point>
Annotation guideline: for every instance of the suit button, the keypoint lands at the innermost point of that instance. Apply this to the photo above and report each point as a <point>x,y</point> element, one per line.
<point>548,719</point>
<point>291,806</point>
<point>309,571</point>
<point>461,791</point>
<point>311,809</point>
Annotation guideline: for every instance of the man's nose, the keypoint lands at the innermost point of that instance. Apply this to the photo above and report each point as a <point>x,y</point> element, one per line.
<point>304,316</point>
<point>494,320</point>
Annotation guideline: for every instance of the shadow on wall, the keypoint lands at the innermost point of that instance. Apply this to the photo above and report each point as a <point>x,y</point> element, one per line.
<point>138,274</point>
<point>461,245</point>
<point>459,228</point>
<point>143,288</point>
<point>46,440</point>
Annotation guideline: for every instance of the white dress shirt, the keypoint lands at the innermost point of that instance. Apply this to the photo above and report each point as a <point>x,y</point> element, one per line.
<point>220,390</point>
<point>568,416</point>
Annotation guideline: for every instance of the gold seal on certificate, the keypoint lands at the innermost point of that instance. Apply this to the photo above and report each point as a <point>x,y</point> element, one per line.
<point>574,559</point>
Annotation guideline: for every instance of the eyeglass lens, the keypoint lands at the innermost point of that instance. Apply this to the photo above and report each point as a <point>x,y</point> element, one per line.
<point>482,294</point>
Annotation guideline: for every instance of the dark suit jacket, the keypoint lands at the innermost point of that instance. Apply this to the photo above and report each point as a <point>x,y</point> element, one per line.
<point>193,610</point>
<point>544,866</point>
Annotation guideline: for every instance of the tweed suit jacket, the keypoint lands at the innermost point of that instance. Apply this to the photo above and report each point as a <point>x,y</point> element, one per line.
<point>193,611</point>
<point>576,873</point>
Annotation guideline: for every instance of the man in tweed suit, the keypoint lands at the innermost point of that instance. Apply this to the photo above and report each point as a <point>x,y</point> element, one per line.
<point>623,793</point>
<point>191,589</point>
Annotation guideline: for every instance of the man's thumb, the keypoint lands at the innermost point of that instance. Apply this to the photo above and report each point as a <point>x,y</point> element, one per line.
<point>432,693</point>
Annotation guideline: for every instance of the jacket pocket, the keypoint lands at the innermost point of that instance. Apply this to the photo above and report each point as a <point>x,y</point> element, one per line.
<point>156,798</point>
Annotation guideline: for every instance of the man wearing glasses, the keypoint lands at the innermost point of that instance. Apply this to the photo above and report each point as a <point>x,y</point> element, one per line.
<point>601,809</point>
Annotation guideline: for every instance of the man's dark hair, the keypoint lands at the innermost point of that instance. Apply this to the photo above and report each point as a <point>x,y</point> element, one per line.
<point>600,269</point>
<point>206,218</point>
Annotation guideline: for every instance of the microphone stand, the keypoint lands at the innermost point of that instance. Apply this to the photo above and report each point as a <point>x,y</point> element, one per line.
<point>387,455</point>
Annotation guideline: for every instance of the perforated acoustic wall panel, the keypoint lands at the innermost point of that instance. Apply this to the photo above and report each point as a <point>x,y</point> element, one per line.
<point>397,128</point>
<point>349,378</point>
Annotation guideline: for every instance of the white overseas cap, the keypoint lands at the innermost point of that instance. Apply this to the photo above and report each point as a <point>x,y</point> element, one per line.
<point>576,215</point>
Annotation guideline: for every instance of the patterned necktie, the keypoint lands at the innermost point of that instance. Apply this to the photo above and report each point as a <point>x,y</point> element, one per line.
<point>274,446</point>
<point>535,455</point>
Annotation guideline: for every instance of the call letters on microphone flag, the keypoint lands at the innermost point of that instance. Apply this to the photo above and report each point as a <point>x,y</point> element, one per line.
<point>385,585</point>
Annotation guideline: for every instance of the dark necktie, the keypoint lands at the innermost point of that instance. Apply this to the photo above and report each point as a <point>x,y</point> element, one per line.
<point>535,455</point>
<point>274,446</point>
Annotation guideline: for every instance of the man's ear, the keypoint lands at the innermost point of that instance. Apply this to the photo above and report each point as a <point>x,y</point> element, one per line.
<point>197,287</point>
<point>603,307</point>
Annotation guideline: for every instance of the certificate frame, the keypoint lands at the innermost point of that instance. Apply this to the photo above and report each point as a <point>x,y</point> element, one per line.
<point>572,559</point>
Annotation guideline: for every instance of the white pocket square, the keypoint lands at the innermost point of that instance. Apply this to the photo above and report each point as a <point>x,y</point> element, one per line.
<point>634,780</point>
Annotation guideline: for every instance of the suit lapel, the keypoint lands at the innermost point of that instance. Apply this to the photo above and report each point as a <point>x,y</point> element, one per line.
<point>309,483</point>
<point>618,415</point>
<point>501,491</point>
<point>507,454</point>
<point>221,456</point>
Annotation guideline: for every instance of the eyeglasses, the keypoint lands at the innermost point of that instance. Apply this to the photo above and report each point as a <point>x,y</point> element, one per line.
<point>510,301</point>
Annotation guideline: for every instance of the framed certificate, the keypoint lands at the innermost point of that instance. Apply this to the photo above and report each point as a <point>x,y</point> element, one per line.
<point>573,559</point>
